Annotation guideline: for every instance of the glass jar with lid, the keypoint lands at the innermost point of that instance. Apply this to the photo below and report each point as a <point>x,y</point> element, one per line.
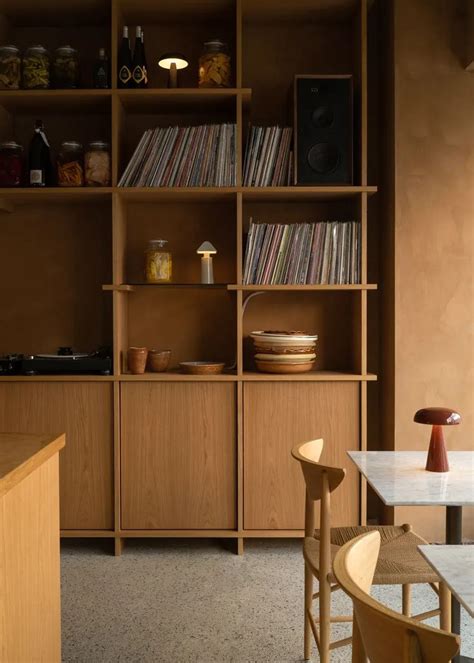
<point>97,164</point>
<point>35,69</point>
<point>11,164</point>
<point>214,65</point>
<point>10,67</point>
<point>65,68</point>
<point>70,164</point>
<point>158,262</point>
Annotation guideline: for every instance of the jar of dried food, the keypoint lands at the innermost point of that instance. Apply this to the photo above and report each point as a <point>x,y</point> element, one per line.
<point>97,164</point>
<point>158,262</point>
<point>214,65</point>
<point>70,164</point>
<point>11,164</point>
<point>10,68</point>
<point>35,70</point>
<point>65,68</point>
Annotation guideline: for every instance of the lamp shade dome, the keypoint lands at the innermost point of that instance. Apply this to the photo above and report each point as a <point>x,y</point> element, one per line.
<point>437,416</point>
<point>167,59</point>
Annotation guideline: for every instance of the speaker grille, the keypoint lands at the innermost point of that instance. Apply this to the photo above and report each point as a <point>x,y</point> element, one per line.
<point>324,158</point>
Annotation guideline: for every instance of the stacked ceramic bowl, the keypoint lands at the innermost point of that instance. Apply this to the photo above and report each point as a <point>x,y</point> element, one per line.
<point>284,351</point>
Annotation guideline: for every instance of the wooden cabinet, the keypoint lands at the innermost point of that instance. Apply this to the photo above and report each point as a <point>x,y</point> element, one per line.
<point>178,455</point>
<point>278,415</point>
<point>82,410</point>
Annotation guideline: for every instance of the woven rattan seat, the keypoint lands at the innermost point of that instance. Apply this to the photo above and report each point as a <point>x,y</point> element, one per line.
<point>399,561</point>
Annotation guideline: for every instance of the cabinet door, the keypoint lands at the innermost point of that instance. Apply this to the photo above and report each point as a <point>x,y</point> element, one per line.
<point>278,415</point>
<point>178,455</point>
<point>82,410</point>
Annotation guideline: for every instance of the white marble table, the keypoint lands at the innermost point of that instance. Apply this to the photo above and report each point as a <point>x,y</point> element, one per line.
<point>455,565</point>
<point>399,478</point>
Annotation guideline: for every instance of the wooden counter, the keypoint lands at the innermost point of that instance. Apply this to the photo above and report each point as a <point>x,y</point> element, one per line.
<point>30,618</point>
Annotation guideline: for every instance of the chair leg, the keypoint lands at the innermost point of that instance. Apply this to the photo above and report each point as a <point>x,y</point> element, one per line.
<point>324,619</point>
<point>358,652</point>
<point>406,600</point>
<point>444,607</point>
<point>308,606</point>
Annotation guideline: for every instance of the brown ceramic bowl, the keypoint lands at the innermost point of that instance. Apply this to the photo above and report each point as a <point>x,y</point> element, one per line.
<point>158,360</point>
<point>202,367</point>
<point>283,369</point>
<point>136,359</point>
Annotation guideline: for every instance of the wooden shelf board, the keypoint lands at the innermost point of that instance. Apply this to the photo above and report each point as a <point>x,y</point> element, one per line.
<point>312,376</point>
<point>87,534</point>
<point>271,533</point>
<point>303,10</point>
<point>21,196</point>
<point>166,99</point>
<point>54,101</point>
<point>302,288</point>
<point>131,287</point>
<point>172,194</point>
<point>56,378</point>
<point>176,376</point>
<point>294,193</point>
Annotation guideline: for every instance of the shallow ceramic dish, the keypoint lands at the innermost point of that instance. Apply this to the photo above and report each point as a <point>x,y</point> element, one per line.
<point>202,367</point>
<point>286,359</point>
<point>284,369</point>
<point>282,337</point>
<point>284,350</point>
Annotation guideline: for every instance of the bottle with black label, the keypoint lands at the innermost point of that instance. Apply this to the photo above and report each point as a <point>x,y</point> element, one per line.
<point>124,61</point>
<point>101,71</point>
<point>39,161</point>
<point>139,66</point>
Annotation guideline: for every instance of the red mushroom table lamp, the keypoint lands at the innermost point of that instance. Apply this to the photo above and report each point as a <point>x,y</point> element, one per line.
<point>437,460</point>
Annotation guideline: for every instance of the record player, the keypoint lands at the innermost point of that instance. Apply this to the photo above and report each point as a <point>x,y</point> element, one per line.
<point>64,362</point>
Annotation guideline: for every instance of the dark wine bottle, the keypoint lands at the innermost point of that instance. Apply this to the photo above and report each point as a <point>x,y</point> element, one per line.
<point>139,66</point>
<point>145,67</point>
<point>101,71</point>
<point>125,61</point>
<point>40,169</point>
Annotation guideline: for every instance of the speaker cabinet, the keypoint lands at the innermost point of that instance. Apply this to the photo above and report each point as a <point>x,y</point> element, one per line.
<point>323,130</point>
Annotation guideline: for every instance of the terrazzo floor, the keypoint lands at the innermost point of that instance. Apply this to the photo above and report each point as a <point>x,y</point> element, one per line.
<point>195,601</point>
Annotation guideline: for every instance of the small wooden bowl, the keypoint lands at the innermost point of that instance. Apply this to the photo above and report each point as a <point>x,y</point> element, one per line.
<point>202,367</point>
<point>158,360</point>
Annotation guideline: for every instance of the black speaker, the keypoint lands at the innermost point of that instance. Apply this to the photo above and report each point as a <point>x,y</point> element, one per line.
<point>323,130</point>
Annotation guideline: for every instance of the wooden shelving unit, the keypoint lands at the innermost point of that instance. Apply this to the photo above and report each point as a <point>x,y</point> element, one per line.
<point>212,452</point>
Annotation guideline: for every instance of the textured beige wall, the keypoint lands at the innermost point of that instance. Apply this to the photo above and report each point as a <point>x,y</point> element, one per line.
<point>433,234</point>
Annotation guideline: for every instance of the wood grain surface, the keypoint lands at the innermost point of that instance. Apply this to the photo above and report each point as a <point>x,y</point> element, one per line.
<point>178,456</point>
<point>279,415</point>
<point>84,412</point>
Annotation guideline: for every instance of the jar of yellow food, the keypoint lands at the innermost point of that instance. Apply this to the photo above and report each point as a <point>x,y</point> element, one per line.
<point>158,262</point>
<point>214,65</point>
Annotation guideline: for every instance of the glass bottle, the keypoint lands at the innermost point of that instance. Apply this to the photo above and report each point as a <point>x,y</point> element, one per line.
<point>10,68</point>
<point>124,62</point>
<point>139,78</point>
<point>65,68</point>
<point>97,164</point>
<point>11,164</point>
<point>101,78</point>
<point>70,164</point>
<point>214,65</point>
<point>35,69</point>
<point>39,158</point>
<point>158,262</point>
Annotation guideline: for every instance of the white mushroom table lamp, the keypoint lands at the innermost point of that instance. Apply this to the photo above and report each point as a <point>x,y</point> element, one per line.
<point>206,251</point>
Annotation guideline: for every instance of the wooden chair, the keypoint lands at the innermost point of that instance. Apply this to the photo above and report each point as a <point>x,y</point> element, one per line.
<point>399,563</point>
<point>382,635</point>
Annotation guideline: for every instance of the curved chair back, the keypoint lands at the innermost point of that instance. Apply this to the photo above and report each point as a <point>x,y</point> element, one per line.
<point>386,636</point>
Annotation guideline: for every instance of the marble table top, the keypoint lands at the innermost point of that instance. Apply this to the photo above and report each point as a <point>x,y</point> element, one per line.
<point>399,478</point>
<point>455,565</point>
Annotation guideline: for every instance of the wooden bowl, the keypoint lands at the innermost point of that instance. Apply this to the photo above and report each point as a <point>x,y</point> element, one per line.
<point>158,360</point>
<point>202,367</point>
<point>283,369</point>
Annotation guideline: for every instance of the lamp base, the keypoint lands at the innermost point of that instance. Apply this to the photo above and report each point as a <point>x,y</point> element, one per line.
<point>437,460</point>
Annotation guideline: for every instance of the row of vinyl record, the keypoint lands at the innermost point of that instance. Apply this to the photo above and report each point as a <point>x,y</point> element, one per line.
<point>326,252</point>
<point>184,156</point>
<point>268,159</point>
